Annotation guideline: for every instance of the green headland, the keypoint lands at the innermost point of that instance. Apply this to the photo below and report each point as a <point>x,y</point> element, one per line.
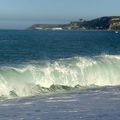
<point>102,23</point>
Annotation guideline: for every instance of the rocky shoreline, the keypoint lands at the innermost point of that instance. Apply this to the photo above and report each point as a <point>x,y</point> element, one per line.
<point>102,23</point>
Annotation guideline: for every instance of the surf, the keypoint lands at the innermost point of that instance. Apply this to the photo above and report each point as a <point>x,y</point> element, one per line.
<point>39,77</point>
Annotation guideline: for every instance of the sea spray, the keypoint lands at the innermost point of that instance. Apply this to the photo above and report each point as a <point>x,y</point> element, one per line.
<point>63,74</point>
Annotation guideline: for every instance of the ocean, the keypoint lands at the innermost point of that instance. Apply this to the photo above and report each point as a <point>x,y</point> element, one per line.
<point>59,75</point>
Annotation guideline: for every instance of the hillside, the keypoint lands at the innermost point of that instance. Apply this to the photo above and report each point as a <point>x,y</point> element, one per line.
<point>102,23</point>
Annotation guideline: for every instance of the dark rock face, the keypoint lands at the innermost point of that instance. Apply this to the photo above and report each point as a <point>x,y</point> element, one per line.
<point>97,24</point>
<point>102,23</point>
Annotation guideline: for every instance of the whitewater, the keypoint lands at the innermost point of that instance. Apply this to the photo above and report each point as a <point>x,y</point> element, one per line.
<point>51,75</point>
<point>37,78</point>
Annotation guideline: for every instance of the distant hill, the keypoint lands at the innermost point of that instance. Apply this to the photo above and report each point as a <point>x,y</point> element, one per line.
<point>102,23</point>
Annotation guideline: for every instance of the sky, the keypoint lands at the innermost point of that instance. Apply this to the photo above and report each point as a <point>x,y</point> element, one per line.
<point>19,14</point>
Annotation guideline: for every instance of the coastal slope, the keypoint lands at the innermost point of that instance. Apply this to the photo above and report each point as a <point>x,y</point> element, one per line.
<point>102,23</point>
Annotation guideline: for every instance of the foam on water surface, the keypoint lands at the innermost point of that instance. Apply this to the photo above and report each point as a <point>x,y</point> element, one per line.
<point>64,74</point>
<point>100,103</point>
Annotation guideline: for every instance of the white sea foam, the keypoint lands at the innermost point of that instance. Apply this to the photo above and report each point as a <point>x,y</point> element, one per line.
<point>32,79</point>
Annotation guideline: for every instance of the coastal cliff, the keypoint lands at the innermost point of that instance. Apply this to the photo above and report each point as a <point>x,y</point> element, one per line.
<point>115,24</point>
<point>102,23</point>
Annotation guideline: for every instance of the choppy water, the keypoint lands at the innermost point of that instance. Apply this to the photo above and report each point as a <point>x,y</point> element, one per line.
<point>38,63</point>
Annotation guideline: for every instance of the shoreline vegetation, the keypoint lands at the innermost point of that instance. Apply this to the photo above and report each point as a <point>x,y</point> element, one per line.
<point>109,23</point>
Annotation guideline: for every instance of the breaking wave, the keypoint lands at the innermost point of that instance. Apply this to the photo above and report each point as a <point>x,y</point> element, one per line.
<point>64,74</point>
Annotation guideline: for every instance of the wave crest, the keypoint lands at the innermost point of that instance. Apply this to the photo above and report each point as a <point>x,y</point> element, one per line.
<point>31,79</point>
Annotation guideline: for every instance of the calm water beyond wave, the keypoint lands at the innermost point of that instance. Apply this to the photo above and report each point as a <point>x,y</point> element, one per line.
<point>51,75</point>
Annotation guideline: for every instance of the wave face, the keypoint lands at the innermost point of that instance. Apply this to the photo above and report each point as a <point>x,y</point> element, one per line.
<point>41,77</point>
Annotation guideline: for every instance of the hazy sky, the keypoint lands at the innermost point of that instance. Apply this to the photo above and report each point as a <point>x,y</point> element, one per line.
<point>22,13</point>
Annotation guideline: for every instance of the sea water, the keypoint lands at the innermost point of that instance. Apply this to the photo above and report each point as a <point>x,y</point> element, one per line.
<point>51,75</point>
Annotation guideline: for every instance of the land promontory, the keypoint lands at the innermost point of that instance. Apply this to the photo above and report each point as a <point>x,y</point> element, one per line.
<point>102,23</point>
